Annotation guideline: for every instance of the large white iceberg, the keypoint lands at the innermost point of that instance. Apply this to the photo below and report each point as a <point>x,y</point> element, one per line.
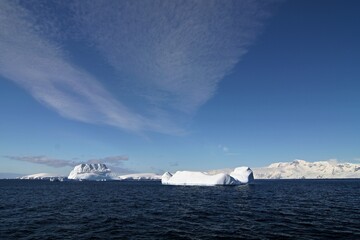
<point>93,172</point>
<point>240,175</point>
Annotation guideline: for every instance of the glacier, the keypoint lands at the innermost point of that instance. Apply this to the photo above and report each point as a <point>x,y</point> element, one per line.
<point>240,175</point>
<point>92,172</point>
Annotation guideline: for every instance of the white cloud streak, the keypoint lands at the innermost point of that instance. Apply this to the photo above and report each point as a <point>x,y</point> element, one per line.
<point>58,163</point>
<point>44,160</point>
<point>40,67</point>
<point>174,54</point>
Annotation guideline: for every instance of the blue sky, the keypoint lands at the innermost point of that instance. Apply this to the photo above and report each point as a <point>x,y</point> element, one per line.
<point>170,85</point>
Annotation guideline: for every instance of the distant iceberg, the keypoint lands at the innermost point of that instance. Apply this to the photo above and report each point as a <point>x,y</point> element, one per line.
<point>44,176</point>
<point>92,172</point>
<point>240,175</point>
<point>140,177</point>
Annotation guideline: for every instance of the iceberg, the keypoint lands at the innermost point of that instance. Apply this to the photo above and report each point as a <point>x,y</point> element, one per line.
<point>243,174</point>
<point>44,176</point>
<point>240,175</point>
<point>92,172</point>
<point>140,177</point>
<point>166,177</point>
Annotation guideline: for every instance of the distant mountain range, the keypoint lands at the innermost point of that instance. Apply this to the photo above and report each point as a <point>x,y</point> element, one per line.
<point>299,169</point>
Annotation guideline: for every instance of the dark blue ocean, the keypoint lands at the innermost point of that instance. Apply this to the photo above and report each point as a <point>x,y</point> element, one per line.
<point>267,209</point>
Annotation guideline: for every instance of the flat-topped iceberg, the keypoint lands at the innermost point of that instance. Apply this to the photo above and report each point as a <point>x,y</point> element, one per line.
<point>240,175</point>
<point>44,176</point>
<point>92,172</point>
<point>140,176</point>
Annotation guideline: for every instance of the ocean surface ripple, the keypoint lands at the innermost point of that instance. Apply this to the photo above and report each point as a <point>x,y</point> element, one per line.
<point>267,209</point>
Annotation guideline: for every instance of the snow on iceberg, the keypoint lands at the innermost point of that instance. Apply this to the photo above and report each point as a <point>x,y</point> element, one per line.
<point>140,176</point>
<point>93,172</point>
<point>240,175</point>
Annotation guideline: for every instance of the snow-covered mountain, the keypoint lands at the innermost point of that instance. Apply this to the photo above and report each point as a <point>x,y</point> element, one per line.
<point>94,172</point>
<point>44,176</point>
<point>298,169</point>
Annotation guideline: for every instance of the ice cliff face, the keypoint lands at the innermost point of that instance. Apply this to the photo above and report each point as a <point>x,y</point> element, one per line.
<point>165,177</point>
<point>302,169</point>
<point>242,174</point>
<point>95,172</point>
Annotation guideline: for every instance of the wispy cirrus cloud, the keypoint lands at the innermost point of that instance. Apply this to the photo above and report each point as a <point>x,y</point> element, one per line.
<point>173,54</point>
<point>40,66</point>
